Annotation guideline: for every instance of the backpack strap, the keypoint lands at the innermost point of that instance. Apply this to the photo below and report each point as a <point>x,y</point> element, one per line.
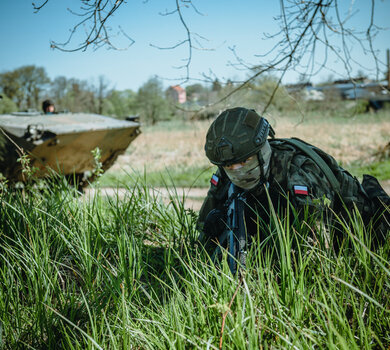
<point>305,148</point>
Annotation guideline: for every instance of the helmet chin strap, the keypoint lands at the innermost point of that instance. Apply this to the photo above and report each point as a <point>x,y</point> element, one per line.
<point>263,178</point>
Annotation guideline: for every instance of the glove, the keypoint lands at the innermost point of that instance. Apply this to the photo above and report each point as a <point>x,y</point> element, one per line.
<point>214,225</point>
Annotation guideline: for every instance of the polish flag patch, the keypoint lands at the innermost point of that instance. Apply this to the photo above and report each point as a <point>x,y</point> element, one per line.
<point>214,180</point>
<point>301,190</point>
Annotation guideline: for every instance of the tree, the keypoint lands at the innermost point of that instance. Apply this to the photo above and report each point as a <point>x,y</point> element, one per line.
<point>33,81</point>
<point>263,87</point>
<point>216,86</point>
<point>194,90</point>
<point>121,103</point>
<point>198,94</point>
<point>25,85</point>
<point>11,86</point>
<point>101,93</point>
<point>80,97</point>
<point>151,104</point>
<point>59,88</point>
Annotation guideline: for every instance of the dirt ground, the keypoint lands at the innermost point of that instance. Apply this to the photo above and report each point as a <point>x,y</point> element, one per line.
<point>347,141</point>
<point>158,148</point>
<point>193,196</point>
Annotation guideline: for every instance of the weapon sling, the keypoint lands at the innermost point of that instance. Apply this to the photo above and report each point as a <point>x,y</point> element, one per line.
<point>318,160</point>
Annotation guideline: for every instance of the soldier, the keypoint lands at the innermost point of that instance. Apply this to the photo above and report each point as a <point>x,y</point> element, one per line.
<point>48,107</point>
<point>285,173</point>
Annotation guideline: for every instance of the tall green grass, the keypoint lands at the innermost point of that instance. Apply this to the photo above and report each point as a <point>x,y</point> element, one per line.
<point>127,273</point>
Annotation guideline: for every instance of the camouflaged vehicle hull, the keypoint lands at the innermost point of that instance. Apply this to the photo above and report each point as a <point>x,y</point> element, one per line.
<point>62,142</point>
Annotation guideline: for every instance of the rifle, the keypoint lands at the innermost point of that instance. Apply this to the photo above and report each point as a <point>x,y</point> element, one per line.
<point>234,238</point>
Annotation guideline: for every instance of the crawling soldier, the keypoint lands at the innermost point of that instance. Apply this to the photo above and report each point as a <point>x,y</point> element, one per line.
<point>289,173</point>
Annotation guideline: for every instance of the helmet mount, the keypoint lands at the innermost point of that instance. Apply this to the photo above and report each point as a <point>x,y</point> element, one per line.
<point>225,150</point>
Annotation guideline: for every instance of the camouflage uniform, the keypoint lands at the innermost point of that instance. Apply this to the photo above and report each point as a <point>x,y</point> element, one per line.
<point>296,181</point>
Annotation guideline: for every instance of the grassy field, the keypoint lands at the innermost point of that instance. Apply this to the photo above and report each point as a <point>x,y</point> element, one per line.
<point>174,150</point>
<point>126,272</point>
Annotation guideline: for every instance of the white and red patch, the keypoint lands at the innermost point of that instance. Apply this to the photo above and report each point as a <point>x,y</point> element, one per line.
<point>214,180</point>
<point>303,190</point>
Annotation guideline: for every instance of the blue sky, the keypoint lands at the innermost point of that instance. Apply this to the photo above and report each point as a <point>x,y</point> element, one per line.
<point>25,39</point>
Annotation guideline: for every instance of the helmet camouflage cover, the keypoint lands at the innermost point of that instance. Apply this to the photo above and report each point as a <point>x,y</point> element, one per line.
<point>235,135</point>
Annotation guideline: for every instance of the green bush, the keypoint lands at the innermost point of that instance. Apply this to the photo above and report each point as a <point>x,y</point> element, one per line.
<point>381,170</point>
<point>7,105</point>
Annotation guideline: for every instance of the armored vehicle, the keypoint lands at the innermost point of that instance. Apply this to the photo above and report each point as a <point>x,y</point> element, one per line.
<point>62,142</point>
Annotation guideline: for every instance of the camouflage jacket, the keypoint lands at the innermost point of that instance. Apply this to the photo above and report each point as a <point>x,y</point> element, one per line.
<point>295,181</point>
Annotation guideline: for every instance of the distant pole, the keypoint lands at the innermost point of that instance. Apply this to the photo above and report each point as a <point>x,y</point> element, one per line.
<point>388,69</point>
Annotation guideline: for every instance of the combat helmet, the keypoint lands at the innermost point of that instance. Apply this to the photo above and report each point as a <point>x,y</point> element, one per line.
<point>235,135</point>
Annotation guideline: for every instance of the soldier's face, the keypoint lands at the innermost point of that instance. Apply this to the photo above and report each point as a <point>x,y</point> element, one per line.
<point>49,109</point>
<point>245,174</point>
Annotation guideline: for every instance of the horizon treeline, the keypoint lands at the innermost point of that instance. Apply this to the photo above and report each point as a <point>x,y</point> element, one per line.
<point>25,88</point>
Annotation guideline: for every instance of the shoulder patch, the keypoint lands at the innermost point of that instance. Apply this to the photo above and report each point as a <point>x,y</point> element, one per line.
<point>214,180</point>
<point>301,190</point>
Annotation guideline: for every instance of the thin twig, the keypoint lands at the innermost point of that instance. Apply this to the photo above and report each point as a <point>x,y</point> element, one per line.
<point>230,305</point>
<point>18,148</point>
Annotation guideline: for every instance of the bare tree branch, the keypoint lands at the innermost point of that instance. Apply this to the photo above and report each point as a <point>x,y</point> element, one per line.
<point>37,8</point>
<point>286,59</point>
<point>369,36</point>
<point>94,18</point>
<point>189,36</point>
<point>305,27</point>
